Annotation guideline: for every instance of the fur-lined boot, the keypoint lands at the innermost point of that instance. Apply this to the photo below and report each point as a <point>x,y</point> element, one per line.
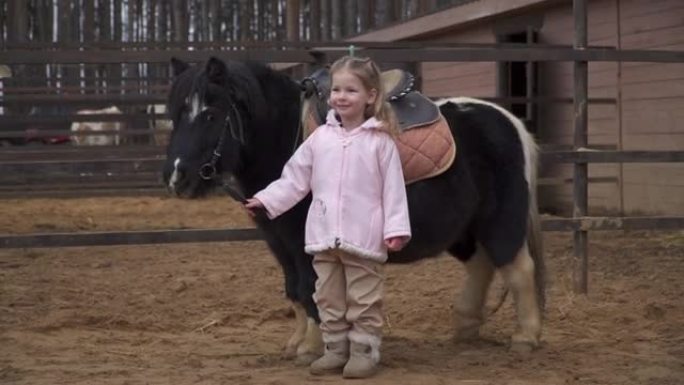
<point>335,355</point>
<point>364,357</point>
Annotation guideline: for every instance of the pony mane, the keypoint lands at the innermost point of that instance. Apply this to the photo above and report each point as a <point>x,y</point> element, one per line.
<point>241,82</point>
<point>306,128</point>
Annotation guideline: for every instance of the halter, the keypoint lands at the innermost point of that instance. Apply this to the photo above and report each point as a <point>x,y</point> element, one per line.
<point>208,170</point>
<point>233,123</point>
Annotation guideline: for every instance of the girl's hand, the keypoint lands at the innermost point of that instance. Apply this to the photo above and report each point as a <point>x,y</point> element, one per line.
<point>396,243</point>
<point>252,205</point>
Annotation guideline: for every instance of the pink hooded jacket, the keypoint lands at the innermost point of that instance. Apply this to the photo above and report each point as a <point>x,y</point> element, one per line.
<point>359,196</point>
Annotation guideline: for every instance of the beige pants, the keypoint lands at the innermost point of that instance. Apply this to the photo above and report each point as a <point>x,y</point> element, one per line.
<point>348,294</point>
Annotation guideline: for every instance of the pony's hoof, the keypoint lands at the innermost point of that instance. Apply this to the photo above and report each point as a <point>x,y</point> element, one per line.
<point>467,334</point>
<point>305,359</point>
<point>290,352</point>
<point>523,348</point>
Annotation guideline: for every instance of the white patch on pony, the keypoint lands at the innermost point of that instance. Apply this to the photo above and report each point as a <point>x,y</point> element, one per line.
<point>175,175</point>
<point>469,306</point>
<point>161,126</point>
<point>519,276</point>
<point>196,106</point>
<point>97,140</point>
<point>300,330</point>
<point>529,146</point>
<point>312,346</point>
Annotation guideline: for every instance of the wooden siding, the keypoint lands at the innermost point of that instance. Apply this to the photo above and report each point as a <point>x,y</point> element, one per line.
<point>652,105</point>
<point>648,118</point>
<point>458,79</point>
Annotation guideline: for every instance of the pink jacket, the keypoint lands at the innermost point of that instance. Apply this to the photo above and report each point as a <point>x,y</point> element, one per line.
<point>359,196</point>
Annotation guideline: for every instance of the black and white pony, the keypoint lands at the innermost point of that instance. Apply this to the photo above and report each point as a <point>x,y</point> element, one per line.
<point>239,122</point>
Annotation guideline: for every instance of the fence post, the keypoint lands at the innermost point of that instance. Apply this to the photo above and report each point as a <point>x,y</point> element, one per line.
<point>580,190</point>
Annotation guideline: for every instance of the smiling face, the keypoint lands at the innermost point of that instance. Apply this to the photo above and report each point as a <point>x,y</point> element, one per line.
<point>350,98</point>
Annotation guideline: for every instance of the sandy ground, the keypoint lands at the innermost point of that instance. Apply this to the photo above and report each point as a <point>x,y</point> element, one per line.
<point>216,314</point>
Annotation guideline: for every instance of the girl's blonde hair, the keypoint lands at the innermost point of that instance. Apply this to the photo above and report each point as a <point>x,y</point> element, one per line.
<point>368,72</point>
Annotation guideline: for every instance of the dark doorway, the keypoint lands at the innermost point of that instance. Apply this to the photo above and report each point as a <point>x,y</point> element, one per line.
<point>519,80</point>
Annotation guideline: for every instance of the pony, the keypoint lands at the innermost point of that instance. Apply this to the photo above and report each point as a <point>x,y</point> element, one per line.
<point>97,140</point>
<point>161,127</point>
<point>235,125</point>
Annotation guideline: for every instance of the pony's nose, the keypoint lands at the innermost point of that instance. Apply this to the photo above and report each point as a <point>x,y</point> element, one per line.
<point>176,176</point>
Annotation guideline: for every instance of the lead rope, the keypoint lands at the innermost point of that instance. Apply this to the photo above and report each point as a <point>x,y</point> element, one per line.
<point>301,123</point>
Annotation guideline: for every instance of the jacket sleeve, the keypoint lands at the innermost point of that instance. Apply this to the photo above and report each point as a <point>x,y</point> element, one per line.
<point>294,183</point>
<point>394,201</point>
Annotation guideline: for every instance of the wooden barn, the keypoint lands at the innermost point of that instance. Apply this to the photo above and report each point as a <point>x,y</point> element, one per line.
<point>632,105</point>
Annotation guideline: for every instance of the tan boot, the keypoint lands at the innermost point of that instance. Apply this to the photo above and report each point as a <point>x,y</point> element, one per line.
<point>334,358</point>
<point>364,356</point>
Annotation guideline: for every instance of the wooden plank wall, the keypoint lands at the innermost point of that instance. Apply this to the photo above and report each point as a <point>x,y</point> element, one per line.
<point>557,121</point>
<point>653,105</point>
<point>461,78</point>
<point>649,113</point>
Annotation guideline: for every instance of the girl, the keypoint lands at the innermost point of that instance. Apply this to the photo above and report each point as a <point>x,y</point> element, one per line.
<point>359,211</point>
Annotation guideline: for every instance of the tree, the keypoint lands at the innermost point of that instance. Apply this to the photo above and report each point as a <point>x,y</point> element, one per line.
<point>350,14</point>
<point>335,19</point>
<point>325,20</point>
<point>180,21</point>
<point>292,14</point>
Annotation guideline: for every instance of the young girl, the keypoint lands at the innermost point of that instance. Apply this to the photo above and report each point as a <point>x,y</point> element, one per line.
<point>359,211</point>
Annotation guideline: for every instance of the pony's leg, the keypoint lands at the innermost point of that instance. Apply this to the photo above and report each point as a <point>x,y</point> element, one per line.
<point>470,305</point>
<point>300,330</point>
<point>519,276</point>
<point>311,347</point>
<point>292,282</point>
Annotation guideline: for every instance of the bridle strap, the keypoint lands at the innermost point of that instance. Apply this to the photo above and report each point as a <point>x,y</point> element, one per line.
<point>208,170</point>
<point>240,135</point>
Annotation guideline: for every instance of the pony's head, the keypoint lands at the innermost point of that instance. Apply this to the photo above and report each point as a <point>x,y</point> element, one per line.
<point>212,107</point>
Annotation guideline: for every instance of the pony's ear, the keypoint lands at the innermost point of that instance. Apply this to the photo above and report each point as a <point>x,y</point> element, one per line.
<point>216,70</point>
<point>178,66</point>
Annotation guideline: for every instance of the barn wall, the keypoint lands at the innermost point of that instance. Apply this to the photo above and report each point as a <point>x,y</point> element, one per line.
<point>653,105</point>
<point>647,115</point>
<point>445,79</point>
<point>556,80</point>
<point>649,105</point>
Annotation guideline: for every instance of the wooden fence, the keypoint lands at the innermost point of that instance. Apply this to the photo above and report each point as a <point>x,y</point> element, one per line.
<point>136,168</point>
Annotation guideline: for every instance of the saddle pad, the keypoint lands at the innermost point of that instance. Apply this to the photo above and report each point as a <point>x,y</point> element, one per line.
<point>425,152</point>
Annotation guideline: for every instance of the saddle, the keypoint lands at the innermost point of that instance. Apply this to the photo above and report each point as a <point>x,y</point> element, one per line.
<point>411,108</point>
<point>425,143</point>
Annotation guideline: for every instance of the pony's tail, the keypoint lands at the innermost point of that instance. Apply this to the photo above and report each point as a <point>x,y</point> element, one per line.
<point>534,235</point>
<point>535,245</point>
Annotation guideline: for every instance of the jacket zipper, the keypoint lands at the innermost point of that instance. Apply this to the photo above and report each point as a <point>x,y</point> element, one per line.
<point>339,193</point>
